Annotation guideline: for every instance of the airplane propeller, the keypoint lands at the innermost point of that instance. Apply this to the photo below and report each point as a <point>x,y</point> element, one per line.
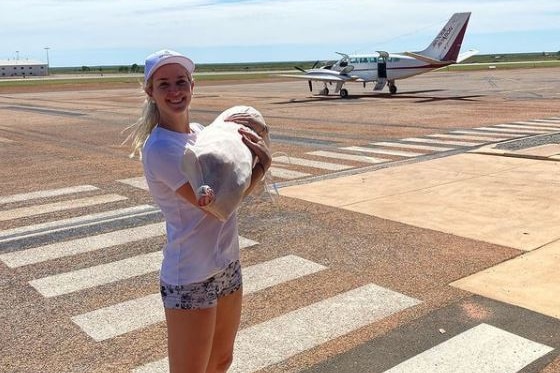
<point>310,86</point>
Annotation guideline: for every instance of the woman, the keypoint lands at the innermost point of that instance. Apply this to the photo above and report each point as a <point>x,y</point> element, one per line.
<point>200,274</point>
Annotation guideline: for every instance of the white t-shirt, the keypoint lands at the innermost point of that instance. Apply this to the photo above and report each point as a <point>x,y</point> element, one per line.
<point>198,245</point>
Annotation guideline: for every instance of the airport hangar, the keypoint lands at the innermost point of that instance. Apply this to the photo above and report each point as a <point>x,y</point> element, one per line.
<point>22,68</point>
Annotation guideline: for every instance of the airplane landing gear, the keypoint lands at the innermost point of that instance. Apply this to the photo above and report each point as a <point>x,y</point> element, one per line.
<point>392,88</point>
<point>324,92</point>
<point>344,93</point>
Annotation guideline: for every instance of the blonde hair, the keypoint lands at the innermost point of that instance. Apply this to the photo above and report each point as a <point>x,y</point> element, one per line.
<point>141,129</point>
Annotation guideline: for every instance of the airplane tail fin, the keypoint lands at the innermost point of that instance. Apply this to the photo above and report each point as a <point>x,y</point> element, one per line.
<point>446,45</point>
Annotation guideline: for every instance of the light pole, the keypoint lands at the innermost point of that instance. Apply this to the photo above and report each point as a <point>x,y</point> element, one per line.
<point>47,49</point>
<point>17,55</point>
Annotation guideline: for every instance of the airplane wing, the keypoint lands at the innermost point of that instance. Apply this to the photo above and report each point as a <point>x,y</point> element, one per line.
<point>467,54</point>
<point>323,76</point>
<point>427,59</point>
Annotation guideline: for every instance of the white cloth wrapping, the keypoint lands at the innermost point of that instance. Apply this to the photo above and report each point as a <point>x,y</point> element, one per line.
<point>221,161</point>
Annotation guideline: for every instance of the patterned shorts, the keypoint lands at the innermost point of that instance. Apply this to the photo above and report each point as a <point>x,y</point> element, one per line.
<point>203,294</point>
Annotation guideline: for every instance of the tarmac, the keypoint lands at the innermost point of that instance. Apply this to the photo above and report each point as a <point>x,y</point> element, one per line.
<point>491,194</point>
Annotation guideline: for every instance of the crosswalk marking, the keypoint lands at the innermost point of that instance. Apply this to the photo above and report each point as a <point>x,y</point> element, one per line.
<point>551,121</point>
<point>411,146</point>
<point>311,163</point>
<point>434,141</point>
<point>280,338</point>
<point>15,234</point>
<point>137,182</point>
<point>482,349</point>
<point>348,157</point>
<point>102,274</point>
<point>401,153</point>
<point>519,126</point>
<point>81,245</point>
<point>520,129</point>
<point>282,173</point>
<point>124,317</point>
<point>23,212</point>
<point>69,282</point>
<point>495,136</point>
<point>539,125</point>
<point>46,193</point>
<point>479,137</point>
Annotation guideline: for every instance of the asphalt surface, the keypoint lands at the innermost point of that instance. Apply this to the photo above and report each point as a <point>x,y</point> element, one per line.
<point>408,233</point>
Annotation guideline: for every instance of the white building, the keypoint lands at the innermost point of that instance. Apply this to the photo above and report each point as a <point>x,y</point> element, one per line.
<point>22,68</point>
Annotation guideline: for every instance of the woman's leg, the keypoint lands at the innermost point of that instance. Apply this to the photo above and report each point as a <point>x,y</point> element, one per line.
<point>228,317</point>
<point>190,335</point>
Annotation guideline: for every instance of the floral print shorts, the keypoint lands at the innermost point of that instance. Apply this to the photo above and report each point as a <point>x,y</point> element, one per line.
<point>203,294</point>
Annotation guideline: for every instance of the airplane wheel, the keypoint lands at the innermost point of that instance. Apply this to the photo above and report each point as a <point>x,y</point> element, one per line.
<point>393,89</point>
<point>324,92</point>
<point>344,93</point>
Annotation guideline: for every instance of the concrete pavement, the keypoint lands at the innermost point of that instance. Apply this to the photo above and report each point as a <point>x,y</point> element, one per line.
<point>501,196</point>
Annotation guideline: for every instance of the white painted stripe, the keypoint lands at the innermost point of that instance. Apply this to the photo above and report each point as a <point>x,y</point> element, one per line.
<point>311,163</point>
<point>282,173</point>
<point>47,193</point>
<point>81,245</point>
<point>109,322</point>
<point>479,137</point>
<point>434,141</point>
<point>137,182</point>
<point>482,349</point>
<point>516,126</point>
<point>23,212</point>
<point>28,231</point>
<point>349,157</point>
<point>550,121</point>
<point>543,125</point>
<point>492,135</point>
<point>86,278</point>
<point>506,131</point>
<point>400,153</point>
<point>280,338</point>
<point>411,146</point>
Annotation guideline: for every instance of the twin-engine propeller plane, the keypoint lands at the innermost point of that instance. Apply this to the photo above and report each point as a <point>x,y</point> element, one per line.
<point>383,68</point>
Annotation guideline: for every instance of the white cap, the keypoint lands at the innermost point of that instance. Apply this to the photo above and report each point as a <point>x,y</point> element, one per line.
<point>163,57</point>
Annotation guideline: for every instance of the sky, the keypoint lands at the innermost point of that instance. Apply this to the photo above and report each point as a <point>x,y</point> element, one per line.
<point>124,32</point>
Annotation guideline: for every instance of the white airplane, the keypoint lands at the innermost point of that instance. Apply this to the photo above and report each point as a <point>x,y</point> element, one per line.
<point>383,68</point>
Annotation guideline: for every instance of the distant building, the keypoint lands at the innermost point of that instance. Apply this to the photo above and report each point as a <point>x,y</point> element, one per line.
<point>22,68</point>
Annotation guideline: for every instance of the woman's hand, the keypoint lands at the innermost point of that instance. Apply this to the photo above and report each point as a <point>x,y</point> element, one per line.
<point>258,146</point>
<point>255,123</point>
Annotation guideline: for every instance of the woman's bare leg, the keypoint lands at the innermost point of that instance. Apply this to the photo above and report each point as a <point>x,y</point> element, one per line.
<point>190,334</point>
<point>227,322</point>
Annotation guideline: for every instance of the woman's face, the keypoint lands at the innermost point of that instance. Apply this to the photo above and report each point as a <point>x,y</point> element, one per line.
<point>171,89</point>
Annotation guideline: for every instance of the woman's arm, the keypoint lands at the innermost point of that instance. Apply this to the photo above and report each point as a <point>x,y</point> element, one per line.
<point>260,149</point>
